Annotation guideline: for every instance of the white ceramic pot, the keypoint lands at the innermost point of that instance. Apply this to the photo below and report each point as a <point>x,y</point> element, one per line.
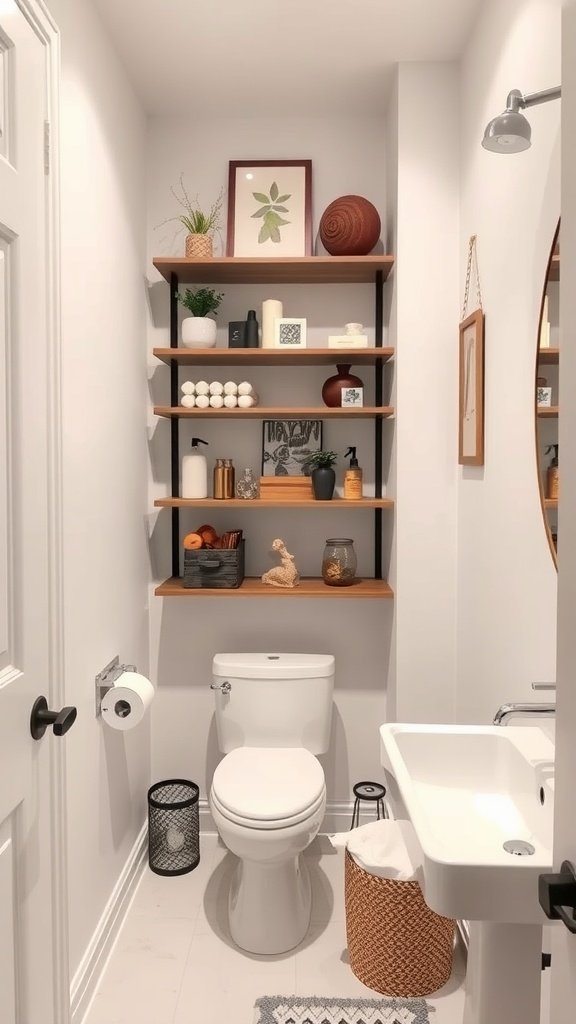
<point>198,332</point>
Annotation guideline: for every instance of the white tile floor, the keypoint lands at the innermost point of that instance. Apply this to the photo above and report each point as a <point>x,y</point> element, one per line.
<point>174,962</point>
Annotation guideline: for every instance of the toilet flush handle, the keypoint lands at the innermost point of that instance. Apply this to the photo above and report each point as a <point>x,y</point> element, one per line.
<point>223,687</point>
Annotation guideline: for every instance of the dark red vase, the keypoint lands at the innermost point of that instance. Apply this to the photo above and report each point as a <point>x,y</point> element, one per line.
<point>332,388</point>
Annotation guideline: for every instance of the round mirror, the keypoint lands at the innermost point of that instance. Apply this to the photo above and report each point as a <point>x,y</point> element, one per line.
<point>547,367</point>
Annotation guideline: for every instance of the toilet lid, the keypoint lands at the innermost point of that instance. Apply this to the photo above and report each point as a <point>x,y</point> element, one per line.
<point>268,784</point>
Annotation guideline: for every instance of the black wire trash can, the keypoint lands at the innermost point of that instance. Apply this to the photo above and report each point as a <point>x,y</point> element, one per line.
<point>173,827</point>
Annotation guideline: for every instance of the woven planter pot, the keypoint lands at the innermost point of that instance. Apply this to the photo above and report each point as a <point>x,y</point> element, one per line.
<point>199,247</point>
<point>397,945</point>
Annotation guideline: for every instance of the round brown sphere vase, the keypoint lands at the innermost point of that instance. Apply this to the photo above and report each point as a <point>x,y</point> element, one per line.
<point>332,388</point>
<point>350,226</point>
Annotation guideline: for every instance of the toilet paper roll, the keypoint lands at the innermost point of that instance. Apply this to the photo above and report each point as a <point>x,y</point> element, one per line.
<point>216,388</point>
<point>246,401</point>
<point>216,401</point>
<point>188,401</point>
<point>230,401</point>
<point>202,387</point>
<point>245,388</point>
<point>124,706</point>
<point>202,401</point>
<point>187,388</point>
<point>271,310</point>
<point>230,388</point>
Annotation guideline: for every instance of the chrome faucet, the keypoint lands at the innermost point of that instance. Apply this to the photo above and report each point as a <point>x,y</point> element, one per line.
<point>507,711</point>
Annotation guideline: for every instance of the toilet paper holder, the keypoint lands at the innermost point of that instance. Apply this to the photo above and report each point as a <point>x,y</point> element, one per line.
<point>107,677</point>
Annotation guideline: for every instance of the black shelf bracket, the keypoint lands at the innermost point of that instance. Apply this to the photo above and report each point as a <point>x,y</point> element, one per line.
<point>378,423</point>
<point>174,429</point>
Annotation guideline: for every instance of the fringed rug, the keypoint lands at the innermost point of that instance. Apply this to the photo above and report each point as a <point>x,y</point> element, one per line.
<point>320,1010</point>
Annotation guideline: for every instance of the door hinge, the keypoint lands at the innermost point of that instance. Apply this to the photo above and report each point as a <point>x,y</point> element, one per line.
<point>46,147</point>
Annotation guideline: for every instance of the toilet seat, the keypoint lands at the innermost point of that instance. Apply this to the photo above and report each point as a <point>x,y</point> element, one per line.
<point>268,787</point>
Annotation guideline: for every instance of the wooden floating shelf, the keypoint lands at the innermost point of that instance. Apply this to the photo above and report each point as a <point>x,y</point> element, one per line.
<point>274,503</point>
<point>272,356</point>
<point>548,355</point>
<point>261,412</point>
<point>547,411</point>
<point>275,270</point>
<point>554,269</point>
<point>550,502</point>
<point>253,587</point>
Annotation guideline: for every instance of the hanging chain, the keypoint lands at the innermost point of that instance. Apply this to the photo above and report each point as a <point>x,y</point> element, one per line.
<point>472,259</point>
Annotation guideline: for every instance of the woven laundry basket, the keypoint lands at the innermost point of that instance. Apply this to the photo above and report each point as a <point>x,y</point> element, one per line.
<point>396,944</point>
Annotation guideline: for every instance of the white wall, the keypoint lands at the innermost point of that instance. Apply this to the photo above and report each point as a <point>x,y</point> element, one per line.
<point>348,156</point>
<point>506,577</point>
<point>426,312</point>
<point>104,423</point>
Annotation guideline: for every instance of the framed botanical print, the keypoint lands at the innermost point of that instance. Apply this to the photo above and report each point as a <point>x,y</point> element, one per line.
<point>471,404</point>
<point>269,208</point>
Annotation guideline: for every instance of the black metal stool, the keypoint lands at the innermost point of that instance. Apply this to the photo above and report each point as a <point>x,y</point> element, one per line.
<point>373,792</point>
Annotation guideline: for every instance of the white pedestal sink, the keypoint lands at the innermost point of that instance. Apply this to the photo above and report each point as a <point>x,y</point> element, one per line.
<point>474,794</point>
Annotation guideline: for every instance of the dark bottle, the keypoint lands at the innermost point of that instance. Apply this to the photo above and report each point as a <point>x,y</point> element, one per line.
<point>251,331</point>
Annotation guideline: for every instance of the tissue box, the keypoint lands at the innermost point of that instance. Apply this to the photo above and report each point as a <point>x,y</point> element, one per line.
<point>214,569</point>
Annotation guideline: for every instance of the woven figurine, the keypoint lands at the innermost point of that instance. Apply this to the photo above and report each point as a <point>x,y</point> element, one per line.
<point>286,574</point>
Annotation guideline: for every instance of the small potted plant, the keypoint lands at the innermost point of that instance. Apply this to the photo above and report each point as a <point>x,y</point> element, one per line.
<point>199,329</point>
<point>199,225</point>
<point>323,476</point>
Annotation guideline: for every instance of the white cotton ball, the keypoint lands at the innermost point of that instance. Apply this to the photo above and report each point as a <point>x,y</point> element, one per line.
<point>230,401</point>
<point>246,402</point>
<point>202,388</point>
<point>202,401</point>
<point>230,388</point>
<point>245,388</point>
<point>187,388</point>
<point>216,388</point>
<point>188,401</point>
<point>216,401</point>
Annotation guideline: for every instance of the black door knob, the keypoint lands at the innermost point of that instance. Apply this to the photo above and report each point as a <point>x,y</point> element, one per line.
<point>557,895</point>
<point>41,718</point>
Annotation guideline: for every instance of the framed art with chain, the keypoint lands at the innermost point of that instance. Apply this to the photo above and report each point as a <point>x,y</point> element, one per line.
<point>471,363</point>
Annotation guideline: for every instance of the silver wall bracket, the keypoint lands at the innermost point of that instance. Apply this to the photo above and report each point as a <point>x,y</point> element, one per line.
<point>106,679</point>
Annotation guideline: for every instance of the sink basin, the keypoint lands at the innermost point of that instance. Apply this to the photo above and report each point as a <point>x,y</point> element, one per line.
<point>468,790</point>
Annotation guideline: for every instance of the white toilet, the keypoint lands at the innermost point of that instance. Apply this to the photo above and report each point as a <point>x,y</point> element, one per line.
<point>268,794</point>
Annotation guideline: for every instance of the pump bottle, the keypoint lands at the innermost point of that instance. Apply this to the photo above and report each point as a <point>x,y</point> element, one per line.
<point>195,472</point>
<point>353,477</point>
<point>552,473</point>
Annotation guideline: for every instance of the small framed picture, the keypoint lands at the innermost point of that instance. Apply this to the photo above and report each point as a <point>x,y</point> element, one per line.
<point>289,332</point>
<point>287,446</point>
<point>544,396</point>
<point>471,411</point>
<point>352,396</point>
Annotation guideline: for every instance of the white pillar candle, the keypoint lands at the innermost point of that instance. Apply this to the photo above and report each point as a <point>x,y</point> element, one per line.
<point>202,401</point>
<point>202,387</point>
<point>245,388</point>
<point>216,388</point>
<point>187,388</point>
<point>246,402</point>
<point>230,401</point>
<point>230,388</point>
<point>188,401</point>
<point>271,310</point>
<point>216,401</point>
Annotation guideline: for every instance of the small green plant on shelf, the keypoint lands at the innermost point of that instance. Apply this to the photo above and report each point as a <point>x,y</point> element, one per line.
<point>322,460</point>
<point>202,301</point>
<point>194,219</point>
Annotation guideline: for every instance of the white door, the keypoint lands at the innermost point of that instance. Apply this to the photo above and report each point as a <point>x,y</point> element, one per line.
<point>563,978</point>
<point>30,906</point>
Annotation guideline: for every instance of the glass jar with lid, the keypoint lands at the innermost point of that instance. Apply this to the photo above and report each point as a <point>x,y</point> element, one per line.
<point>339,562</point>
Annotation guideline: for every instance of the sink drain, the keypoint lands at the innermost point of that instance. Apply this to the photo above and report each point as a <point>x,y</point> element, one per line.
<point>519,847</point>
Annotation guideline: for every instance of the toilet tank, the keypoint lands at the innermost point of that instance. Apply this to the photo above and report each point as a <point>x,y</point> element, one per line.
<point>275,700</point>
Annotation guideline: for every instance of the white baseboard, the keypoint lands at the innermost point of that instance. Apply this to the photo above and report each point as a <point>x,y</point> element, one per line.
<point>90,970</point>
<point>337,818</point>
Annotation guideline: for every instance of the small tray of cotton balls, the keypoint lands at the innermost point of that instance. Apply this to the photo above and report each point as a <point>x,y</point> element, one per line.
<point>202,395</point>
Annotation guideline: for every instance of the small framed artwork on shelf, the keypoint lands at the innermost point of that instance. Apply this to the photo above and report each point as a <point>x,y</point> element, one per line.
<point>269,208</point>
<point>471,404</point>
<point>288,444</point>
<point>352,397</point>
<point>289,332</point>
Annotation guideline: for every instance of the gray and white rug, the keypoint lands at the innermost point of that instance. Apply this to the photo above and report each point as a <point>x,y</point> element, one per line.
<point>323,1010</point>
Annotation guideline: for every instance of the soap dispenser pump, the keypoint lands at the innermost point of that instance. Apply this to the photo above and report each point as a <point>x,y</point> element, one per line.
<point>552,473</point>
<point>195,472</point>
<point>352,477</point>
